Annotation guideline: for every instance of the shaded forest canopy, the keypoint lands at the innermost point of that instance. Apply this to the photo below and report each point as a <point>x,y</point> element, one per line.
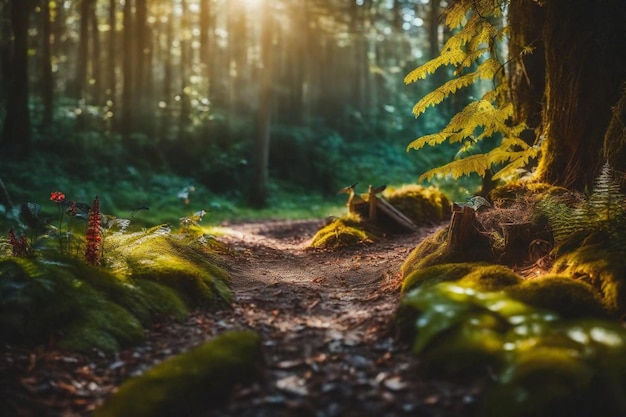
<point>200,87</point>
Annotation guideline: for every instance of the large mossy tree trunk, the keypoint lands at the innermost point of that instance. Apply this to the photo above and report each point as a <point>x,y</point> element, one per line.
<point>585,54</point>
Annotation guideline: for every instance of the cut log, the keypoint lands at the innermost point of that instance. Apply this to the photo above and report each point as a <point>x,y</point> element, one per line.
<point>466,240</point>
<point>395,215</point>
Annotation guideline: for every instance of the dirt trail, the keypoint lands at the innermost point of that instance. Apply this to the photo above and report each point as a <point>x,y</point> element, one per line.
<point>324,320</point>
<point>324,317</point>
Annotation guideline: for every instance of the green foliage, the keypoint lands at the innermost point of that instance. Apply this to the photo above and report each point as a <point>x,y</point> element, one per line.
<point>473,52</point>
<point>603,210</point>
<point>149,274</point>
<point>540,363</point>
<point>191,383</point>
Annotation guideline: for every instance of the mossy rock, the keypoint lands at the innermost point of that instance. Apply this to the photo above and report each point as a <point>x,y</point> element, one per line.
<point>192,383</point>
<point>345,231</point>
<point>423,205</point>
<point>568,297</point>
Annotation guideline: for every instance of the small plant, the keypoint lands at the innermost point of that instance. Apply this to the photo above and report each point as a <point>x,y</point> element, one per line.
<point>94,234</point>
<point>21,246</point>
<point>192,221</point>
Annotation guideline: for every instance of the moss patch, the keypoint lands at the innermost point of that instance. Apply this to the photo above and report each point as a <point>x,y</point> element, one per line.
<point>420,204</point>
<point>191,383</point>
<point>436,274</point>
<point>345,231</point>
<point>568,297</point>
<point>431,244</point>
<point>543,363</point>
<point>150,274</point>
<point>601,266</point>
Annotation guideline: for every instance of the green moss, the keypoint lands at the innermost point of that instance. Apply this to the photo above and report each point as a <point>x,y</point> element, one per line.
<point>191,383</point>
<point>161,300</point>
<point>544,381</point>
<point>601,266</point>
<point>105,326</point>
<point>491,278</point>
<point>349,230</point>
<point>173,261</point>
<point>436,274</point>
<point>420,204</point>
<point>562,294</point>
<point>54,297</point>
<point>431,244</point>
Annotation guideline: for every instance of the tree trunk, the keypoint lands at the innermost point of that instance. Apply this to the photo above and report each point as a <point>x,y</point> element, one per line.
<point>83,51</point>
<point>527,70</point>
<point>185,65</point>
<point>47,87</point>
<point>139,78</point>
<point>96,56</point>
<point>127,69</point>
<point>259,192</point>
<point>585,67</point>
<point>5,50</point>
<point>16,135</point>
<point>112,61</point>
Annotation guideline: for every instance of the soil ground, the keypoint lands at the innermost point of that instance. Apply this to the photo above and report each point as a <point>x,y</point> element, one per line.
<point>325,321</point>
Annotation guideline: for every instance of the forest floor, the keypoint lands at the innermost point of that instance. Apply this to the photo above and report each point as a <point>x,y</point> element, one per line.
<point>325,321</point>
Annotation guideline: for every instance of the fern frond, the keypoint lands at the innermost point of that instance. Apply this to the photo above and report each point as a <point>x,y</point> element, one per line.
<point>431,140</point>
<point>456,169</point>
<point>456,14</point>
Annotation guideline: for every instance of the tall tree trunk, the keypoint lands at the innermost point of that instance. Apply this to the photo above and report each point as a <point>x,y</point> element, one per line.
<point>127,69</point>
<point>434,15</point>
<point>259,191</point>
<point>185,65</point>
<point>585,66</point>
<point>96,56</point>
<point>16,135</point>
<point>139,78</point>
<point>47,82</point>
<point>5,50</point>
<point>167,77</point>
<point>83,51</point>
<point>111,88</point>
<point>527,69</point>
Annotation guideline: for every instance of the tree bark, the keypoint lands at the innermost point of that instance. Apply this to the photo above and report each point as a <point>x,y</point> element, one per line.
<point>16,135</point>
<point>585,68</point>
<point>527,70</point>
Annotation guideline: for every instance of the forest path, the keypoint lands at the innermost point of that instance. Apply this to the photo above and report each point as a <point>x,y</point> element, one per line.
<point>324,320</point>
<point>324,317</point>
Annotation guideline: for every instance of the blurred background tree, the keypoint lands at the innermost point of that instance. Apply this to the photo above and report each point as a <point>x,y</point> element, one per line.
<point>244,96</point>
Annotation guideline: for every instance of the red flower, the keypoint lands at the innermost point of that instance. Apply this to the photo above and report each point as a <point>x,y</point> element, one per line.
<point>57,196</point>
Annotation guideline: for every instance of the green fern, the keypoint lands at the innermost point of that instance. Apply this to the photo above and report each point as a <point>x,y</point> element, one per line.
<point>603,210</point>
<point>474,46</point>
